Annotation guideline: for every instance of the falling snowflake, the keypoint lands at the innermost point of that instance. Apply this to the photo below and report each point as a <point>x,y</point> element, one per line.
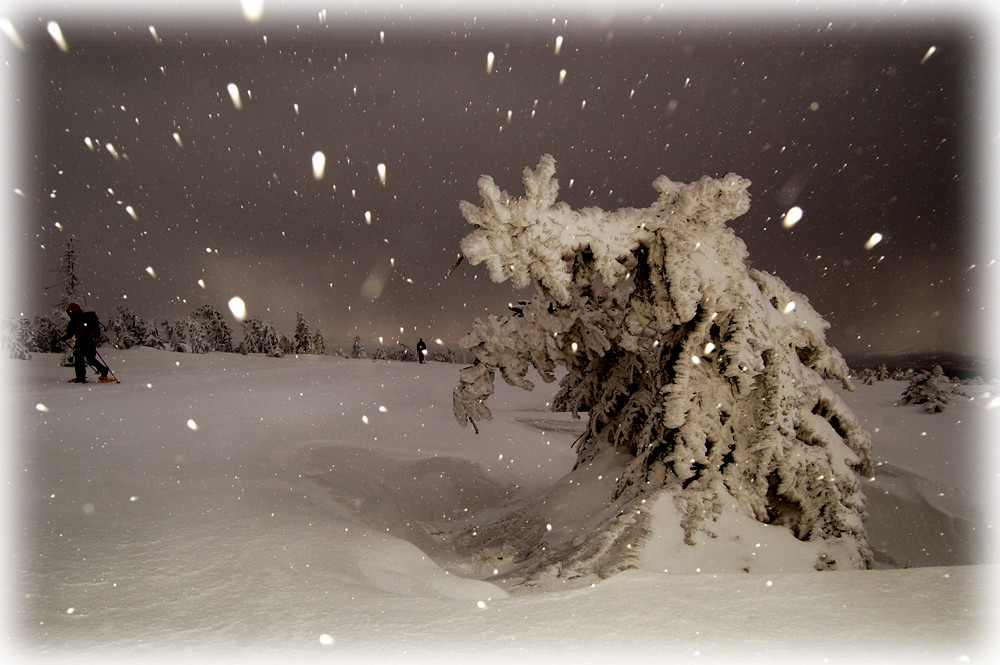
<point>792,217</point>
<point>234,94</point>
<point>253,10</point>
<point>11,32</point>
<point>57,36</point>
<point>238,308</point>
<point>319,164</point>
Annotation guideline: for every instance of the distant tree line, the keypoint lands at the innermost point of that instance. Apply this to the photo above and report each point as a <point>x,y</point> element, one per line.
<point>884,373</point>
<point>203,331</point>
<point>931,389</point>
<point>404,353</point>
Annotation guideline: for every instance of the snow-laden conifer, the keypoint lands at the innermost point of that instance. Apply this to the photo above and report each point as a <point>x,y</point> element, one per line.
<point>218,336</point>
<point>707,377</point>
<point>127,329</point>
<point>926,389</point>
<point>261,336</point>
<point>317,343</point>
<point>358,349</point>
<point>303,339</point>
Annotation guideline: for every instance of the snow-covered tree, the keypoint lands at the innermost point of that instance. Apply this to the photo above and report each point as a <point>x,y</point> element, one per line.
<point>303,340</point>
<point>926,388</point>
<point>195,334</point>
<point>70,281</point>
<point>47,330</point>
<point>445,355</point>
<point>358,349</point>
<point>318,343</point>
<point>172,336</point>
<point>50,327</point>
<point>261,336</point>
<point>126,330</point>
<point>15,338</point>
<point>706,376</point>
<point>187,335</point>
<point>218,336</point>
<point>404,353</point>
<point>871,375</point>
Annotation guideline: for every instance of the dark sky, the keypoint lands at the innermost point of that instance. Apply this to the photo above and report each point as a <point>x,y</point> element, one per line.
<point>867,123</point>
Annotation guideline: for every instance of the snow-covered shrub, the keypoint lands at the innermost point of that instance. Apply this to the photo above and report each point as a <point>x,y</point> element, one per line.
<point>707,377</point>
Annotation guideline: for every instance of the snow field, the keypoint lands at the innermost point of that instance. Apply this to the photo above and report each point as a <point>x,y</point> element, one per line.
<point>224,507</point>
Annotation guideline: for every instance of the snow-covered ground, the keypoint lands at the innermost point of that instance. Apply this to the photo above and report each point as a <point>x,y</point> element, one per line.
<point>221,507</point>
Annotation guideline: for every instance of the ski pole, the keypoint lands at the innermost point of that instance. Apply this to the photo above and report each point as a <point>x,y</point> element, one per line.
<point>107,365</point>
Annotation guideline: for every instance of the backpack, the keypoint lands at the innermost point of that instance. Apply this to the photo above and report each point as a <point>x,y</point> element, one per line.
<point>92,327</point>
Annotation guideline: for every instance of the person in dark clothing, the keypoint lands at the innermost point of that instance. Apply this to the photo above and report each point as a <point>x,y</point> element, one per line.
<point>85,349</point>
<point>421,350</point>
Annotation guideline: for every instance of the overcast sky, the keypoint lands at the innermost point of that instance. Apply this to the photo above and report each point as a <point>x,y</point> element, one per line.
<point>129,138</point>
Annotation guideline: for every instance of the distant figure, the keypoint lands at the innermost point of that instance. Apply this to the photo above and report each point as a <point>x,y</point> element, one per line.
<point>421,350</point>
<point>86,327</point>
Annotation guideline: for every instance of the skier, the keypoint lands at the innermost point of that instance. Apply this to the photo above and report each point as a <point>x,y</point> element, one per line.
<point>86,328</point>
<point>421,350</point>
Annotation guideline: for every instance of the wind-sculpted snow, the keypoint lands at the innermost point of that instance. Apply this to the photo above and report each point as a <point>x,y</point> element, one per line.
<point>709,376</point>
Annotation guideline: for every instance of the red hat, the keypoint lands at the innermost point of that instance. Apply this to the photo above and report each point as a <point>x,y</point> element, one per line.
<point>74,307</point>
